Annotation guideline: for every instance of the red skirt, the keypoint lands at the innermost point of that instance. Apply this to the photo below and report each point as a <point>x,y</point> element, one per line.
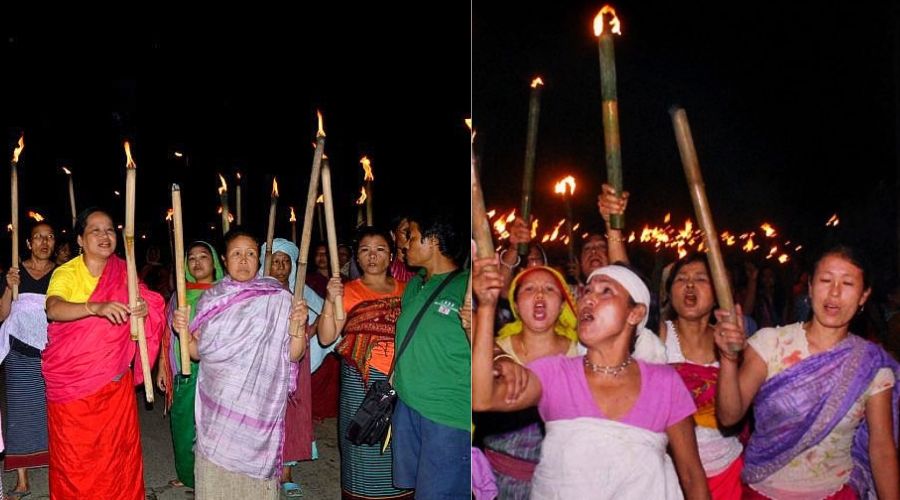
<point>95,445</point>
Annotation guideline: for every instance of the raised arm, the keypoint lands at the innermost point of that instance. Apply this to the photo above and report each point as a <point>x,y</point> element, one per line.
<point>489,393</point>
<point>739,380</point>
<point>608,203</point>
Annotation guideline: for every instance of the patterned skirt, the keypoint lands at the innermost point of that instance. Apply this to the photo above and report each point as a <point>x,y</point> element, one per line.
<point>365,471</point>
<point>26,419</point>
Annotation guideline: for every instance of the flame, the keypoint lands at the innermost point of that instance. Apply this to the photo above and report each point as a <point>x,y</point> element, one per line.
<point>321,132</point>
<point>219,211</point>
<point>769,230</point>
<point>18,149</point>
<point>631,237</point>
<point>728,238</point>
<point>798,248</point>
<point>178,154</point>
<point>36,216</point>
<point>129,161</point>
<point>117,193</point>
<point>66,170</point>
<point>575,227</point>
<point>362,196</point>
<point>170,214</point>
<point>224,188</point>
<point>667,218</point>
<point>471,130</point>
<point>274,187</point>
<point>615,24</point>
<point>293,216</point>
<point>491,214</point>
<point>566,182</point>
<point>534,226</point>
<point>320,199</point>
<point>682,253</point>
<point>9,227</point>
<point>833,221</point>
<point>367,167</point>
<point>537,82</point>
<point>783,258</point>
<point>748,247</point>
<point>685,233</point>
<point>238,175</point>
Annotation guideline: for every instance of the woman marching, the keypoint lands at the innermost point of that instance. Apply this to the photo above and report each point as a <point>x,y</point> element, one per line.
<point>201,271</point>
<point>372,306</point>
<point>91,410</point>
<point>825,401</point>
<point>609,417</point>
<point>25,330</point>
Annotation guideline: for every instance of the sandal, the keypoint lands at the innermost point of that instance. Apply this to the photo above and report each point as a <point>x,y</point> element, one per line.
<point>16,495</point>
<point>291,490</point>
<point>175,483</point>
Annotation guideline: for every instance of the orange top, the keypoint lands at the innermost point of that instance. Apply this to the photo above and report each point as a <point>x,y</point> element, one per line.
<point>356,292</point>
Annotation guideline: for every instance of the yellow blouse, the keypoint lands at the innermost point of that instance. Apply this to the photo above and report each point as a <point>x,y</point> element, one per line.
<point>72,281</point>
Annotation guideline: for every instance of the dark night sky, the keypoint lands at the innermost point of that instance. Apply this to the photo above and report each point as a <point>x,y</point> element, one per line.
<point>792,107</point>
<point>240,93</point>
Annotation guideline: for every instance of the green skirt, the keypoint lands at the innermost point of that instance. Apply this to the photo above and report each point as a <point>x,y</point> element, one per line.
<point>181,420</point>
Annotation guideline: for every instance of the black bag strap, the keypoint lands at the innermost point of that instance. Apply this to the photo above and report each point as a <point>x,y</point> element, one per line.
<point>415,321</point>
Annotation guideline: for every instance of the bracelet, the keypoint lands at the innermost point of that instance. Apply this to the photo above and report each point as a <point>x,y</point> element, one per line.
<point>90,313</point>
<point>504,355</point>
<point>510,267</point>
<point>617,239</point>
<point>326,315</point>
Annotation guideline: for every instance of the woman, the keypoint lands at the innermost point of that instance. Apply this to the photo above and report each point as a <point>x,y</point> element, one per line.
<point>691,350</point>
<point>299,443</point>
<point>201,271</point>
<point>91,410</point>
<point>825,401</point>
<point>248,356</point>
<point>544,325</point>
<point>608,417</point>
<point>371,307</point>
<point>24,331</point>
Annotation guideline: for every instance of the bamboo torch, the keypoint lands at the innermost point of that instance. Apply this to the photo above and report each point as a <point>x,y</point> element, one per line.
<point>71,194</point>
<point>306,237</point>
<point>181,288</point>
<point>237,195</point>
<point>332,236</point>
<point>14,189</point>
<point>270,234</point>
<point>137,324</point>
<point>293,221</point>
<point>481,226</point>
<point>534,113</point>
<point>226,212</point>
<point>369,179</point>
<point>704,214</point>
<point>610,104</point>
<point>360,220</point>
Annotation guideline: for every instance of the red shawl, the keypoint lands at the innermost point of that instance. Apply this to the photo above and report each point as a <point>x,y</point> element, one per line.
<point>84,355</point>
<point>369,322</point>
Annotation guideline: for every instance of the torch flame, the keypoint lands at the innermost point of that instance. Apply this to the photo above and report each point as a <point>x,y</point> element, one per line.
<point>748,247</point>
<point>566,182</point>
<point>293,216</point>
<point>129,161</point>
<point>321,132</point>
<point>18,149</point>
<point>320,199</point>
<point>614,23</point>
<point>274,187</point>
<point>537,81</point>
<point>833,221</point>
<point>224,188</point>
<point>9,227</point>
<point>367,167</point>
<point>769,230</point>
<point>67,171</point>
<point>783,258</point>
<point>362,196</point>
<point>170,213</point>
<point>492,213</point>
<point>667,218</point>
<point>36,216</point>
<point>534,226</point>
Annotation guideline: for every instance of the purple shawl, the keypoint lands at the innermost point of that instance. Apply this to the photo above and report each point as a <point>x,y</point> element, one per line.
<point>242,388</point>
<point>800,406</point>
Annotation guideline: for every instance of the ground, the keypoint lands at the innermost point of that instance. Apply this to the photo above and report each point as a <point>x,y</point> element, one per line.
<point>319,479</point>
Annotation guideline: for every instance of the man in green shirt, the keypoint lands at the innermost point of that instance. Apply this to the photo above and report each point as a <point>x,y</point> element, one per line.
<point>431,442</point>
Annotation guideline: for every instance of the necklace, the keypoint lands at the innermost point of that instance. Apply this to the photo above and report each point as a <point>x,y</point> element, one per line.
<point>608,370</point>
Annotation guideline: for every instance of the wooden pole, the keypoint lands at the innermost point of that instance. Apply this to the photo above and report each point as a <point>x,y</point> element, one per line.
<point>180,286</point>
<point>704,214</point>
<point>270,234</point>
<point>137,324</point>
<point>534,113</point>
<point>610,105</point>
<point>332,237</point>
<point>14,189</point>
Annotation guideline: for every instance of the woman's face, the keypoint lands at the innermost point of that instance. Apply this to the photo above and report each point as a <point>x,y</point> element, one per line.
<point>539,300</point>
<point>837,291</point>
<point>535,258</point>
<point>281,267</point>
<point>692,291</point>
<point>605,310</point>
<point>99,238</point>
<point>63,254</point>
<point>374,255</point>
<point>200,263</point>
<point>42,242</point>
<point>242,258</point>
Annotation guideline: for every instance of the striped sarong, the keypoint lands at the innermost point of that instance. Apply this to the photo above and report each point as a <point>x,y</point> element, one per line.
<point>365,471</point>
<point>26,418</point>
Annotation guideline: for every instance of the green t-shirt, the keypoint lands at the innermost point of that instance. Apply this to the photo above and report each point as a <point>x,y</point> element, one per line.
<point>434,374</point>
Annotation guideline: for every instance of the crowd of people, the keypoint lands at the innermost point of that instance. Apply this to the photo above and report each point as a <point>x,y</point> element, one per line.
<point>244,416</point>
<point>575,397</point>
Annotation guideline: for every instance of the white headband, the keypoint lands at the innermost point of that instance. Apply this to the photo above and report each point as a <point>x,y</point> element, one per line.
<point>631,282</point>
